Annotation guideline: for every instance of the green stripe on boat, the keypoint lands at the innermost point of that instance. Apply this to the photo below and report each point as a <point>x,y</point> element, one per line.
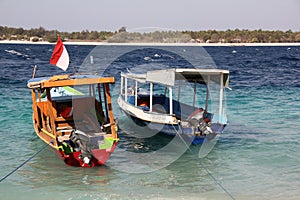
<point>72,90</point>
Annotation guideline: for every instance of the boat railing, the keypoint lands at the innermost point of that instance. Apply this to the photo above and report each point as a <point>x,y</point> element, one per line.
<point>161,105</point>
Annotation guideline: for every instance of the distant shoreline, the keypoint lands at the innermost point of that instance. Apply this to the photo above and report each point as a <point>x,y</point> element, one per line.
<point>153,44</point>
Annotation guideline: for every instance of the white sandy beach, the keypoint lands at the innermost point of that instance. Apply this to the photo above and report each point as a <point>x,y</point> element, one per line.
<point>154,44</point>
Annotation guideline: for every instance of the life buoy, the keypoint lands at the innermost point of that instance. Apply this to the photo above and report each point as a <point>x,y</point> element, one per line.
<point>143,103</point>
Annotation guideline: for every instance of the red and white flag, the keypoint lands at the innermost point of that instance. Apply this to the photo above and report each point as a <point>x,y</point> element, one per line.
<point>60,56</point>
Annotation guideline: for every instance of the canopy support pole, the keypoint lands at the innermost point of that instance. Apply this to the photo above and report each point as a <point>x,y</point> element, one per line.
<point>125,89</point>
<point>135,93</point>
<point>171,100</point>
<point>221,98</point>
<point>122,85</point>
<point>151,97</point>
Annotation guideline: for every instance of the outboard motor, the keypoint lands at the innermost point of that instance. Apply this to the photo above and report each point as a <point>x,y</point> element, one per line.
<point>201,126</point>
<point>86,143</point>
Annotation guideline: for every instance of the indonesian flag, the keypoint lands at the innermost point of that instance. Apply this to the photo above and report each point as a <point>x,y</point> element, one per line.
<point>60,56</point>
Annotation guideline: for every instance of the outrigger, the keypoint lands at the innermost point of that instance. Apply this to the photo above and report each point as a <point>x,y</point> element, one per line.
<point>177,101</point>
<point>73,114</point>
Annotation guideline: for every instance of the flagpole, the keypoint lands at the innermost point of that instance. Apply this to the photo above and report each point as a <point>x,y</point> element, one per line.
<point>73,67</point>
<point>34,71</point>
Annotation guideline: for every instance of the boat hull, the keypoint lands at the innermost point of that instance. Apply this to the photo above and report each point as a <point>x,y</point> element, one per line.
<point>99,157</point>
<point>74,159</point>
<point>173,129</point>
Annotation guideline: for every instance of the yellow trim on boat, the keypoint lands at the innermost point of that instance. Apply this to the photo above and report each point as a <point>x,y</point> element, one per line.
<point>49,134</point>
<point>50,144</point>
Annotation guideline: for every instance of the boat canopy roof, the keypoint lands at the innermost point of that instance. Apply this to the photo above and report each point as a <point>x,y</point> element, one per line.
<point>169,76</point>
<point>67,80</point>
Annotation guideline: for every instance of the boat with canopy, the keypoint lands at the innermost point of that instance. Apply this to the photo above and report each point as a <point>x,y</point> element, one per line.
<point>184,101</point>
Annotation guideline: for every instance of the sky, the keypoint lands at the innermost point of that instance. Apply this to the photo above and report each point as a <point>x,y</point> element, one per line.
<point>137,15</point>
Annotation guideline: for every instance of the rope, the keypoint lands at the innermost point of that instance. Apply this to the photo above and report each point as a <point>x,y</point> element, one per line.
<point>22,164</point>
<point>203,166</point>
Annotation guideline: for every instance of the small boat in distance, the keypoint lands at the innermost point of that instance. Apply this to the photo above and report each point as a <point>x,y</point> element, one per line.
<point>189,102</point>
<point>73,114</point>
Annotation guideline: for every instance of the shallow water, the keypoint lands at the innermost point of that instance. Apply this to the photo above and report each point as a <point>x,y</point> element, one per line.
<point>257,157</point>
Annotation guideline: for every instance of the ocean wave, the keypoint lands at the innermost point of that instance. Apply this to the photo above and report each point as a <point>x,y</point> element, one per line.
<point>14,52</point>
<point>290,58</point>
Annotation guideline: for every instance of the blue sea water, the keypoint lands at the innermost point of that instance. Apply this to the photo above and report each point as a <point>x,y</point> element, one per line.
<point>257,157</point>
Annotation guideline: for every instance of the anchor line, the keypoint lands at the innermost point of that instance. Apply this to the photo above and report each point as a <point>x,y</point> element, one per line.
<point>23,163</point>
<point>203,166</point>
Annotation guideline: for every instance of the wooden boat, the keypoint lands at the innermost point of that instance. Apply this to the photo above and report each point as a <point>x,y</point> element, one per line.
<point>73,114</point>
<point>163,110</point>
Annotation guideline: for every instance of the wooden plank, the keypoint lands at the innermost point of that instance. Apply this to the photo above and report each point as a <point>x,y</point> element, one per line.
<point>34,107</point>
<point>73,82</point>
<point>47,137</point>
<point>111,116</point>
<point>51,113</point>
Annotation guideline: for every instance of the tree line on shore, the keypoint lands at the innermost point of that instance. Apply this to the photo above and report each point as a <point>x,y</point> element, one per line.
<point>122,36</point>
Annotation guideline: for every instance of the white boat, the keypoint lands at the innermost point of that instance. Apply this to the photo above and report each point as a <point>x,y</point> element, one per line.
<point>189,102</point>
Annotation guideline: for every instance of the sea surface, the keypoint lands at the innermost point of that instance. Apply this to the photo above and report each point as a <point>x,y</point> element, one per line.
<point>257,157</point>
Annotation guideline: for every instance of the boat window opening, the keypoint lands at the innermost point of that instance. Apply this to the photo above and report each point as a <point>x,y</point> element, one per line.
<point>216,101</point>
<point>39,117</point>
<point>78,90</point>
<point>194,95</point>
<point>130,91</point>
<point>202,97</point>
<point>93,99</point>
<point>179,90</point>
<point>100,108</point>
<point>92,90</point>
<point>105,103</point>
<point>207,92</point>
<point>64,109</point>
<point>185,89</point>
<point>130,87</point>
<point>188,102</point>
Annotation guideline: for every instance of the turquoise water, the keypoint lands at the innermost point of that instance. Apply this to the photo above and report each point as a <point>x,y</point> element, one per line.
<point>257,157</point>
